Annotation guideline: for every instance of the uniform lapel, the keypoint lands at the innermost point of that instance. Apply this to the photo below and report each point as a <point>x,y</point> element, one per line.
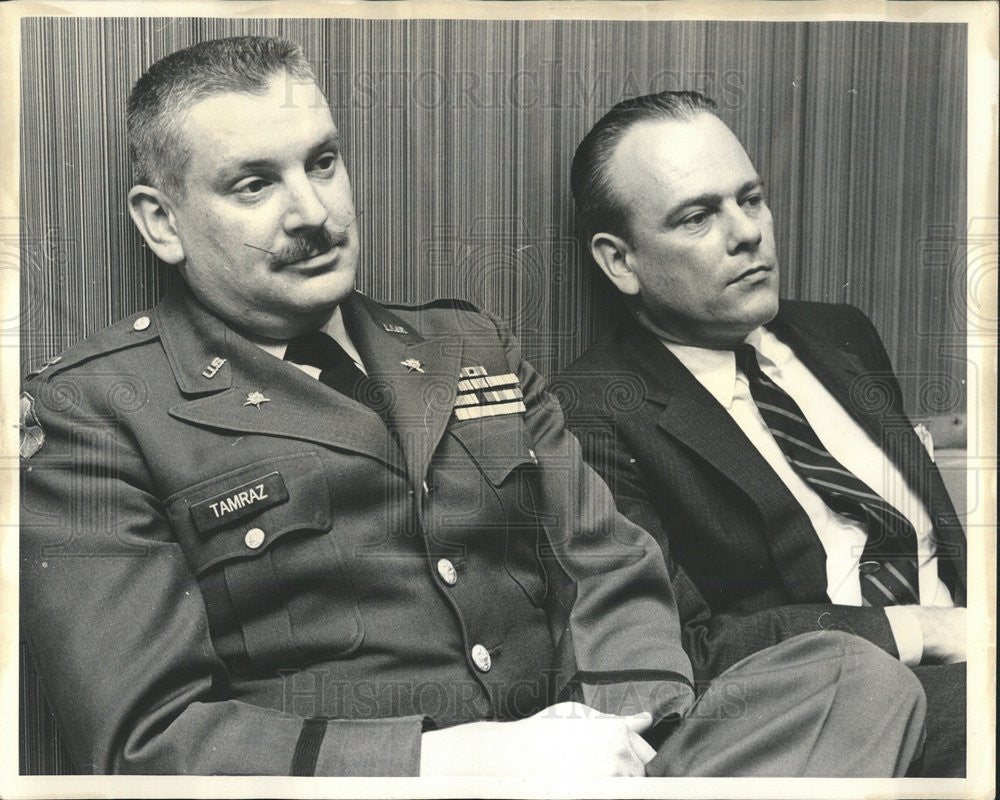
<point>289,403</point>
<point>418,378</point>
<point>694,417</point>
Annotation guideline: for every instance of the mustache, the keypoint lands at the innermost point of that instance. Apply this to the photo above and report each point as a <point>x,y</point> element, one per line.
<point>307,245</point>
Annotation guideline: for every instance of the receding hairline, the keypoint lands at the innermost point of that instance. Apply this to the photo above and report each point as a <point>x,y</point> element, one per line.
<point>612,169</point>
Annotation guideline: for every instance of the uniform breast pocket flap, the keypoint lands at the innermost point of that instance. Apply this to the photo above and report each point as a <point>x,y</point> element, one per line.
<point>496,444</point>
<point>275,582</point>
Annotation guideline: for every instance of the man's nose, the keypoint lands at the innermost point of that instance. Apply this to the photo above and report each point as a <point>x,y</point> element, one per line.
<point>744,230</point>
<point>305,208</point>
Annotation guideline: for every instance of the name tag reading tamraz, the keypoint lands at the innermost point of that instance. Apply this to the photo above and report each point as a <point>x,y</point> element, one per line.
<point>241,501</point>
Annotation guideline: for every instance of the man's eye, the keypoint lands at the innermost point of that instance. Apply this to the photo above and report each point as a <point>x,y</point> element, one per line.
<point>754,200</point>
<point>251,186</point>
<point>326,162</point>
<point>696,219</point>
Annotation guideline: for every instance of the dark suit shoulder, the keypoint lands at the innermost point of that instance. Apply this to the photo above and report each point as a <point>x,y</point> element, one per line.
<point>136,329</point>
<point>602,356</point>
<point>838,324</point>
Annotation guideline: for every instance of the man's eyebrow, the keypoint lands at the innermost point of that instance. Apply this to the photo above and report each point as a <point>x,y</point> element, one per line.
<point>231,169</point>
<point>331,140</point>
<point>712,198</point>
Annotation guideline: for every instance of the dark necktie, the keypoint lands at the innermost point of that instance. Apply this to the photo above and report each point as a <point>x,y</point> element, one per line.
<point>337,369</point>
<point>888,563</point>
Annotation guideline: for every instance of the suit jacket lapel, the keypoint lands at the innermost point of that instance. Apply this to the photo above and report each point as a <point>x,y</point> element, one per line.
<point>839,370</point>
<point>289,403</point>
<point>885,421</point>
<point>417,378</point>
<point>694,417</point>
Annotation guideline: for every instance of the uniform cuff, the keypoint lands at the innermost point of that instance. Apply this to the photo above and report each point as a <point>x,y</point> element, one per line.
<point>663,694</point>
<point>369,747</point>
<point>907,633</point>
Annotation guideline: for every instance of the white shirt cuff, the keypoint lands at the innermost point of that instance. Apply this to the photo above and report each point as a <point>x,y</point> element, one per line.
<point>907,633</point>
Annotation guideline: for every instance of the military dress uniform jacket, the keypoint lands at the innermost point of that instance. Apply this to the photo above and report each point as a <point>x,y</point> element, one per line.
<point>228,567</point>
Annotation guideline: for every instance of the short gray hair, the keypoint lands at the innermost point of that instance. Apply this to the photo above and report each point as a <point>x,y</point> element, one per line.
<point>176,82</point>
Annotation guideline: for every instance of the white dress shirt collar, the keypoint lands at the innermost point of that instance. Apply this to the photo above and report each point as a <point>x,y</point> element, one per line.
<point>716,369</point>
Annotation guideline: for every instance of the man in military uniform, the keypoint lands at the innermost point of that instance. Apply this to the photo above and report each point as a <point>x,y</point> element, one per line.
<point>274,527</point>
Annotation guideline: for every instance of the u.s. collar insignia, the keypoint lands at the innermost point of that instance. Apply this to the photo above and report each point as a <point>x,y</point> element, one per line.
<point>390,328</point>
<point>412,365</point>
<point>211,370</point>
<point>483,395</point>
<point>255,399</point>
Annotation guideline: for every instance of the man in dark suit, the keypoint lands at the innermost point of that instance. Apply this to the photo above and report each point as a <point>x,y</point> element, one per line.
<point>763,443</point>
<point>274,527</point>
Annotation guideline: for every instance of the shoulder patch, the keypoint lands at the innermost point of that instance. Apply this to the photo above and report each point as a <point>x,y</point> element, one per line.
<point>32,436</point>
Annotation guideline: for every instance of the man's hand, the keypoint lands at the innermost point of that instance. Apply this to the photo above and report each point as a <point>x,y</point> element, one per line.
<point>567,739</point>
<point>944,633</point>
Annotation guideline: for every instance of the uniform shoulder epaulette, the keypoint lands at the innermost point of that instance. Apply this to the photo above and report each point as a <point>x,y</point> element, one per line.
<point>135,329</point>
<point>444,302</point>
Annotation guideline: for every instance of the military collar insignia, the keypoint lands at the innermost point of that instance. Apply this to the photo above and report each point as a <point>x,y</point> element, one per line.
<point>255,399</point>
<point>412,365</point>
<point>213,368</point>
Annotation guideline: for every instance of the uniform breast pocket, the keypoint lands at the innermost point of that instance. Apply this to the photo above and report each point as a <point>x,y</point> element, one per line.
<point>505,463</point>
<point>276,585</point>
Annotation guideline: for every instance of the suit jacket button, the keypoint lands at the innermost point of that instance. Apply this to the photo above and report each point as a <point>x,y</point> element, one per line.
<point>254,538</point>
<point>481,658</point>
<point>447,572</point>
<point>868,567</point>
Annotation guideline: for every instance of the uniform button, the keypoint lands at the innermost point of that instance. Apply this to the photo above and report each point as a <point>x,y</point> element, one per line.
<point>141,324</point>
<point>447,572</point>
<point>481,658</point>
<point>254,538</point>
<point>868,567</point>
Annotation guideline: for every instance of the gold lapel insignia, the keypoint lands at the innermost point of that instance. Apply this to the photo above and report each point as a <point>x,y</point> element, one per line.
<point>412,365</point>
<point>255,399</point>
<point>211,370</point>
<point>390,328</point>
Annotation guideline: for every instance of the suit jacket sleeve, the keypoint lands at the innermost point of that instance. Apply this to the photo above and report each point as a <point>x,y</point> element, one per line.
<point>714,642</point>
<point>119,632</point>
<point>624,625</point>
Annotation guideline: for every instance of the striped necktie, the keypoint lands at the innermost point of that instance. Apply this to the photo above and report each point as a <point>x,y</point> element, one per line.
<point>888,564</point>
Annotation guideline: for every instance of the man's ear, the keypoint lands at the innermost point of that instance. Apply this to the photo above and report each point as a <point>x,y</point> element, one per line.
<point>612,254</point>
<point>150,210</point>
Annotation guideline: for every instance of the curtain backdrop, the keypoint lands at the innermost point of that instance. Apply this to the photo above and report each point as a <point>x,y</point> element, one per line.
<point>459,137</point>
